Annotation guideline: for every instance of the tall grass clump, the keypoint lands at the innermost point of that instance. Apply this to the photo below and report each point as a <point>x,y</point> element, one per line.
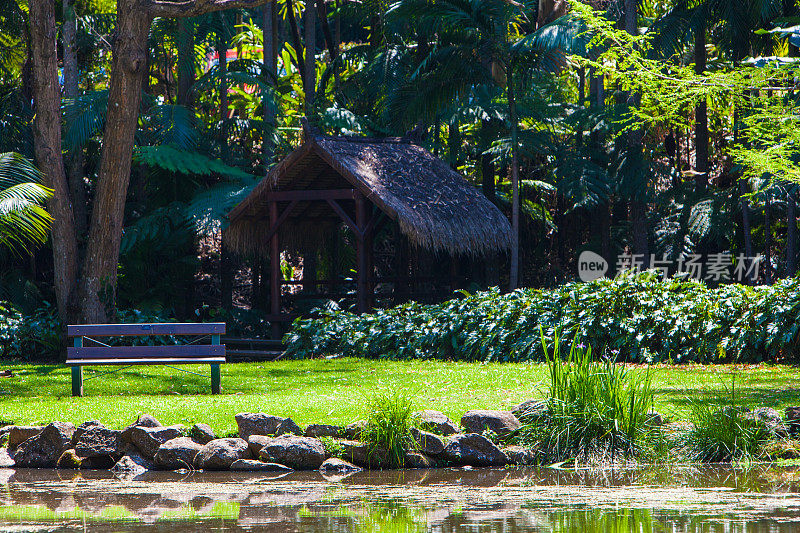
<point>721,431</point>
<point>388,429</point>
<point>596,410</point>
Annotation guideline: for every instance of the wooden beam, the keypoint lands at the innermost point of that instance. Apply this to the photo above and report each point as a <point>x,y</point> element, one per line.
<point>347,220</point>
<point>361,255</point>
<point>311,195</point>
<point>275,226</point>
<point>274,271</point>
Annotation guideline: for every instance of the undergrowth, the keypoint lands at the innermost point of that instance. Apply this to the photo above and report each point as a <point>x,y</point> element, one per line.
<point>388,429</point>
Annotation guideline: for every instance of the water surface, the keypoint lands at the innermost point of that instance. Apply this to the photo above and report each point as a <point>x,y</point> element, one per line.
<point>677,499</point>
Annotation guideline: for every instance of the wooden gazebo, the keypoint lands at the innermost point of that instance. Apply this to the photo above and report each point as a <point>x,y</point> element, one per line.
<point>364,183</point>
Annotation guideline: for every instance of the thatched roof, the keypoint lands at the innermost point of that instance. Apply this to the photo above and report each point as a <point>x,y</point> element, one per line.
<point>433,205</point>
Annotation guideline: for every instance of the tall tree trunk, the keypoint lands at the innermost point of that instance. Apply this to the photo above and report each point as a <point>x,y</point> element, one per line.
<point>71,90</point>
<point>768,238</point>
<point>701,117</point>
<point>454,145</point>
<point>748,239</point>
<point>47,146</point>
<point>513,277</point>
<point>791,235</point>
<point>222,52</point>
<point>638,209</point>
<point>333,49</point>
<point>185,61</point>
<point>270,30</point>
<point>99,280</point>
<point>297,43</point>
<point>310,66</point>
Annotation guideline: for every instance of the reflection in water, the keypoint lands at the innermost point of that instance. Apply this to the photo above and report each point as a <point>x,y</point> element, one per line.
<point>685,499</point>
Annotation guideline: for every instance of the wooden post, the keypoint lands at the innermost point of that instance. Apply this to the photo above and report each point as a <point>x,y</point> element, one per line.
<point>274,272</point>
<point>361,255</point>
<point>77,371</point>
<point>216,378</point>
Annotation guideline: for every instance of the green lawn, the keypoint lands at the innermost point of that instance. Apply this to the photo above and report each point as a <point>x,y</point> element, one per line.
<point>336,391</point>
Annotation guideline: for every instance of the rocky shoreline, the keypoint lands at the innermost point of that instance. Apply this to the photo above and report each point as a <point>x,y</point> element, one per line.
<point>264,443</point>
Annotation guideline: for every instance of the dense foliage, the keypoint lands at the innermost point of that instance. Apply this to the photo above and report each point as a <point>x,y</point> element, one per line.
<point>632,318</point>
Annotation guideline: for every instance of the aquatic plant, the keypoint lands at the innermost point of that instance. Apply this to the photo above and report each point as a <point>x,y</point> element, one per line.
<point>388,428</point>
<point>720,432</point>
<point>597,410</point>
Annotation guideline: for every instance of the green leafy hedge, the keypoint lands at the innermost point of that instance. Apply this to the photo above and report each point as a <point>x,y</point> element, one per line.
<point>634,318</point>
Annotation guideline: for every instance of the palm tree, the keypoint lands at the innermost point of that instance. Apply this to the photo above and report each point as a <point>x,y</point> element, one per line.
<point>480,43</point>
<point>24,223</point>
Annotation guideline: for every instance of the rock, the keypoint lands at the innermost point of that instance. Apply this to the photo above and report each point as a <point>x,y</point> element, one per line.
<point>300,453</point>
<point>132,465</point>
<point>98,441</point>
<point>793,419</point>
<point>219,454</point>
<point>253,465</point>
<point>360,453</point>
<point>531,411</point>
<point>654,418</point>
<point>80,430</point>
<point>338,466</point>
<point>261,424</point>
<point>71,460</point>
<point>353,431</point>
<point>436,422</point>
<point>474,450</point>
<point>6,461</point>
<point>201,433</point>
<point>257,442</point>
<point>418,460</point>
<point>19,434</point>
<point>143,421</point>
<point>44,449</point>
<point>289,427</point>
<point>323,430</point>
<point>148,439</point>
<point>520,456</point>
<point>500,422</point>
<point>176,453</point>
<point>427,443</point>
<point>770,419</point>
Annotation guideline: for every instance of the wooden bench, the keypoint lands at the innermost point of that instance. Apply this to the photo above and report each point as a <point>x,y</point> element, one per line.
<point>212,353</point>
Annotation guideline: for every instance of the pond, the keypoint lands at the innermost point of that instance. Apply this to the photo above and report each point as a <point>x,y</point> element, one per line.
<point>674,499</point>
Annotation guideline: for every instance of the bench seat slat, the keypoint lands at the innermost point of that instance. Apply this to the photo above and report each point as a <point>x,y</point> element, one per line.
<point>164,361</point>
<point>113,330</point>
<point>142,352</point>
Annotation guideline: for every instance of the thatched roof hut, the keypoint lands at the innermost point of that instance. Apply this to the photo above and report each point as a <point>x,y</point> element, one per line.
<point>434,206</point>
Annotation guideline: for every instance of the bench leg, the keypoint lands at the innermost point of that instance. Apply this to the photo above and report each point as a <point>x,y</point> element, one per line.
<point>216,380</point>
<point>77,381</point>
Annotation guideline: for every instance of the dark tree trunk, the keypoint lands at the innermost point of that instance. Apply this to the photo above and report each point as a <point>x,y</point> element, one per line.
<point>791,235</point>
<point>185,62</point>
<point>454,145</point>
<point>296,41</point>
<point>310,66</point>
<point>487,177</point>
<point>638,209</point>
<point>748,239</point>
<point>513,278</point>
<point>222,52</point>
<point>47,146</point>
<point>270,30</point>
<point>768,239</point>
<point>701,117</point>
<point>225,275</point>
<point>71,90</point>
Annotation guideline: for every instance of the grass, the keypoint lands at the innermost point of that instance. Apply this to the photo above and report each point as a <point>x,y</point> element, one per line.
<point>389,426</point>
<point>339,391</point>
<point>596,410</point>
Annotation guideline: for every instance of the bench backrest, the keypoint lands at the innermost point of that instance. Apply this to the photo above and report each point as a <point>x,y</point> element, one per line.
<point>114,330</point>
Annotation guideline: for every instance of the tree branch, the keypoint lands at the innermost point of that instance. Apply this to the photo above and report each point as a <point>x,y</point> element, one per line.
<point>193,8</point>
